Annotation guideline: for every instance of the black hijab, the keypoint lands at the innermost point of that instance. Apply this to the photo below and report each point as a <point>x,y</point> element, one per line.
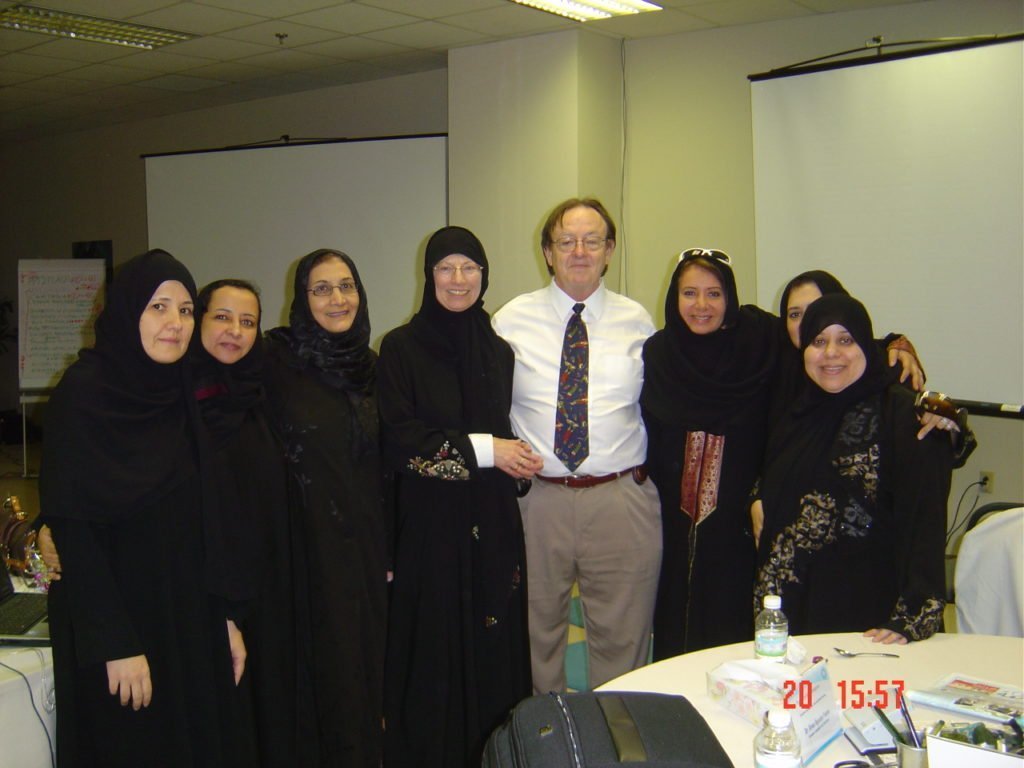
<point>465,339</point>
<point>226,392</point>
<point>117,428</point>
<point>342,360</point>
<point>825,282</point>
<point>800,451</point>
<point>709,382</point>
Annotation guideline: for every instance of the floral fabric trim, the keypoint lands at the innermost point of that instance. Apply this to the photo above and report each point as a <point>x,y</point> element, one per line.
<point>702,469</point>
<point>922,625</point>
<point>447,464</point>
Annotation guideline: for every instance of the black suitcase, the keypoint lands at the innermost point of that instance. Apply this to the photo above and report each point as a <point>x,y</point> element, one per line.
<point>595,730</point>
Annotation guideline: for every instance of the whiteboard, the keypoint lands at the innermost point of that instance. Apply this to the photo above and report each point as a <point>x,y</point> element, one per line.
<point>253,213</point>
<point>58,302</point>
<point>905,178</point>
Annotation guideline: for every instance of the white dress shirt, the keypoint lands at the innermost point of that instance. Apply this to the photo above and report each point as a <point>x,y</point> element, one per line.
<point>617,327</point>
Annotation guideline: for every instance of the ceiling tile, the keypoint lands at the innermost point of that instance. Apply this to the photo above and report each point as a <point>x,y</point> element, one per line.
<point>158,61</point>
<point>651,24</point>
<point>286,60</point>
<point>353,18</point>
<point>510,20</point>
<point>415,61</point>
<point>427,34</point>
<point>36,65</point>
<point>182,83</point>
<point>80,50</point>
<point>353,47</point>
<point>266,33</point>
<point>197,19</point>
<point>231,71</point>
<point>15,97</point>
<point>435,9</point>
<point>726,12</point>
<point>273,9</point>
<point>16,40</point>
<point>217,47</point>
<point>105,9</point>
<point>64,85</point>
<point>104,73</point>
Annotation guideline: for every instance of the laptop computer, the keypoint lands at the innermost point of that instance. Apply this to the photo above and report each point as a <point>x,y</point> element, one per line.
<point>22,614</point>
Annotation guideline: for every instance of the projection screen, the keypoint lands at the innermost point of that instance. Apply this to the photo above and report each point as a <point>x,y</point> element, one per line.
<point>253,213</point>
<point>905,179</point>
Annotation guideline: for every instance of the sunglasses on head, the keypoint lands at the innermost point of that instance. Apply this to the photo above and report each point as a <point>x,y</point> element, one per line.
<point>708,253</point>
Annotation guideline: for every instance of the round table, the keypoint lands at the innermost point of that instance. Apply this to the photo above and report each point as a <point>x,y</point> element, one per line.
<point>920,665</point>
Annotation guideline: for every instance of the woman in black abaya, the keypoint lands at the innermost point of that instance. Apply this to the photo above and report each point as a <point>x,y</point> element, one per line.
<point>705,400</point>
<point>854,501</point>
<point>321,387</point>
<point>458,649</point>
<point>145,656</point>
<point>247,464</point>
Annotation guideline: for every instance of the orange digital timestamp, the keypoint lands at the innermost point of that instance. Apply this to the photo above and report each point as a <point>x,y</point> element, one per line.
<point>858,694</point>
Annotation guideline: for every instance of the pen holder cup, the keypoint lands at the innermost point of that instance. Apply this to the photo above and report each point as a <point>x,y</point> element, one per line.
<point>909,756</point>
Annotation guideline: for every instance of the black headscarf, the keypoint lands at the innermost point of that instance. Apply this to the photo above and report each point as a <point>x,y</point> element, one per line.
<point>825,282</point>
<point>226,392</point>
<point>709,381</point>
<point>800,449</point>
<point>117,428</point>
<point>342,360</point>
<point>465,338</point>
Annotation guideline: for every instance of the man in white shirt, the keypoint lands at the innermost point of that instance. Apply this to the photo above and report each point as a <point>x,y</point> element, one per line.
<point>591,515</point>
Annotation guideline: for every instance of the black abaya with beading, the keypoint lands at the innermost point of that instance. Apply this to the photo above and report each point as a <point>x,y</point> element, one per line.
<point>458,647</point>
<point>321,392</point>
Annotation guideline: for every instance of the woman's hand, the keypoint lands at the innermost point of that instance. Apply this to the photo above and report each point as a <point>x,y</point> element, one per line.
<point>238,652</point>
<point>910,367</point>
<point>516,458</point>
<point>886,637</point>
<point>757,521</point>
<point>930,421</point>
<point>48,550</point>
<point>130,678</point>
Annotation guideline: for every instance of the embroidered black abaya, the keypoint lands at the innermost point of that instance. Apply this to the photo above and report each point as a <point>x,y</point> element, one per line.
<point>247,463</point>
<point>121,492</point>
<point>458,647</point>
<point>854,503</point>
<point>704,402</point>
<point>322,393</point>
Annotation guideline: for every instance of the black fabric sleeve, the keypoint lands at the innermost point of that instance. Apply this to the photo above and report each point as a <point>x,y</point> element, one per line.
<point>919,481</point>
<point>102,628</point>
<point>406,396</point>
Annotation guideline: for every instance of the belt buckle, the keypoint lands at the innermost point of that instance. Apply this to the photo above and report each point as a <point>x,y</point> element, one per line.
<point>567,480</point>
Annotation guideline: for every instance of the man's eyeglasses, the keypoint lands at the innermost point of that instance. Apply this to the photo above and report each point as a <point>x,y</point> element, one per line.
<point>707,253</point>
<point>469,271</point>
<point>591,243</point>
<point>347,288</point>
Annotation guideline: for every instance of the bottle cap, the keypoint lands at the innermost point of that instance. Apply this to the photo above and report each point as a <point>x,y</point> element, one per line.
<point>772,602</point>
<point>779,718</point>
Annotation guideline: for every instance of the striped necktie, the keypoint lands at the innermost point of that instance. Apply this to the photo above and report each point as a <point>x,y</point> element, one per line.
<point>572,440</point>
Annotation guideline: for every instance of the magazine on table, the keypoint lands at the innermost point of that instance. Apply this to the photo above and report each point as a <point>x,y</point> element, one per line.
<point>972,696</point>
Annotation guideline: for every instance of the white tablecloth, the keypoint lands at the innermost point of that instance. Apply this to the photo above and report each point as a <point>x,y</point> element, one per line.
<point>23,741</point>
<point>920,665</point>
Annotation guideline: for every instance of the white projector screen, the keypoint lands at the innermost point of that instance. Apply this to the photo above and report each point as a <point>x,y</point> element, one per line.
<point>905,179</point>
<point>253,213</point>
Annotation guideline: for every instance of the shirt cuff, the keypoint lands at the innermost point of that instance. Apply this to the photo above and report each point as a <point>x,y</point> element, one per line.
<point>483,447</point>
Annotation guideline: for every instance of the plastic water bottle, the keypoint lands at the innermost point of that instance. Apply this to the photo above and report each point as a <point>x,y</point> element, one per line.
<point>777,745</point>
<point>771,631</point>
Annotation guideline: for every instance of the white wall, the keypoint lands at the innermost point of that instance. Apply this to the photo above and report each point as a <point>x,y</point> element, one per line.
<point>91,185</point>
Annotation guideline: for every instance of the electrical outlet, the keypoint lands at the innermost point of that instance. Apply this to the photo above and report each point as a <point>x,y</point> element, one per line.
<point>987,479</point>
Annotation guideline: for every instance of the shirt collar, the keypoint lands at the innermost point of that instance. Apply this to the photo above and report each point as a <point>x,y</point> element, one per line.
<point>563,302</point>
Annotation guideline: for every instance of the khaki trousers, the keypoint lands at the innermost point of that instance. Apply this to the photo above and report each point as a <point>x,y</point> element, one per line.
<point>608,538</point>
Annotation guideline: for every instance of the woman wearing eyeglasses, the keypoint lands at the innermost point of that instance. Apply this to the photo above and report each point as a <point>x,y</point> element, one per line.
<point>321,387</point>
<point>458,650</point>
<point>705,403</point>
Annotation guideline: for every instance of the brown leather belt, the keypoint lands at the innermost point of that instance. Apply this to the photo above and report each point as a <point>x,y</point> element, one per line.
<point>589,481</point>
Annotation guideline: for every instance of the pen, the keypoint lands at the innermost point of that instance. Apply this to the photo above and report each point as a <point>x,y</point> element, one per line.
<point>888,725</point>
<point>910,723</point>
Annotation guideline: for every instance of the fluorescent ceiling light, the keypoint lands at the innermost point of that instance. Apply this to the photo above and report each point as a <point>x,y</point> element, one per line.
<point>27,18</point>
<point>588,10</point>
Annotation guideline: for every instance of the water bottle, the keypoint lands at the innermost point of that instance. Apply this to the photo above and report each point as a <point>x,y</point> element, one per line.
<point>777,745</point>
<point>771,631</point>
